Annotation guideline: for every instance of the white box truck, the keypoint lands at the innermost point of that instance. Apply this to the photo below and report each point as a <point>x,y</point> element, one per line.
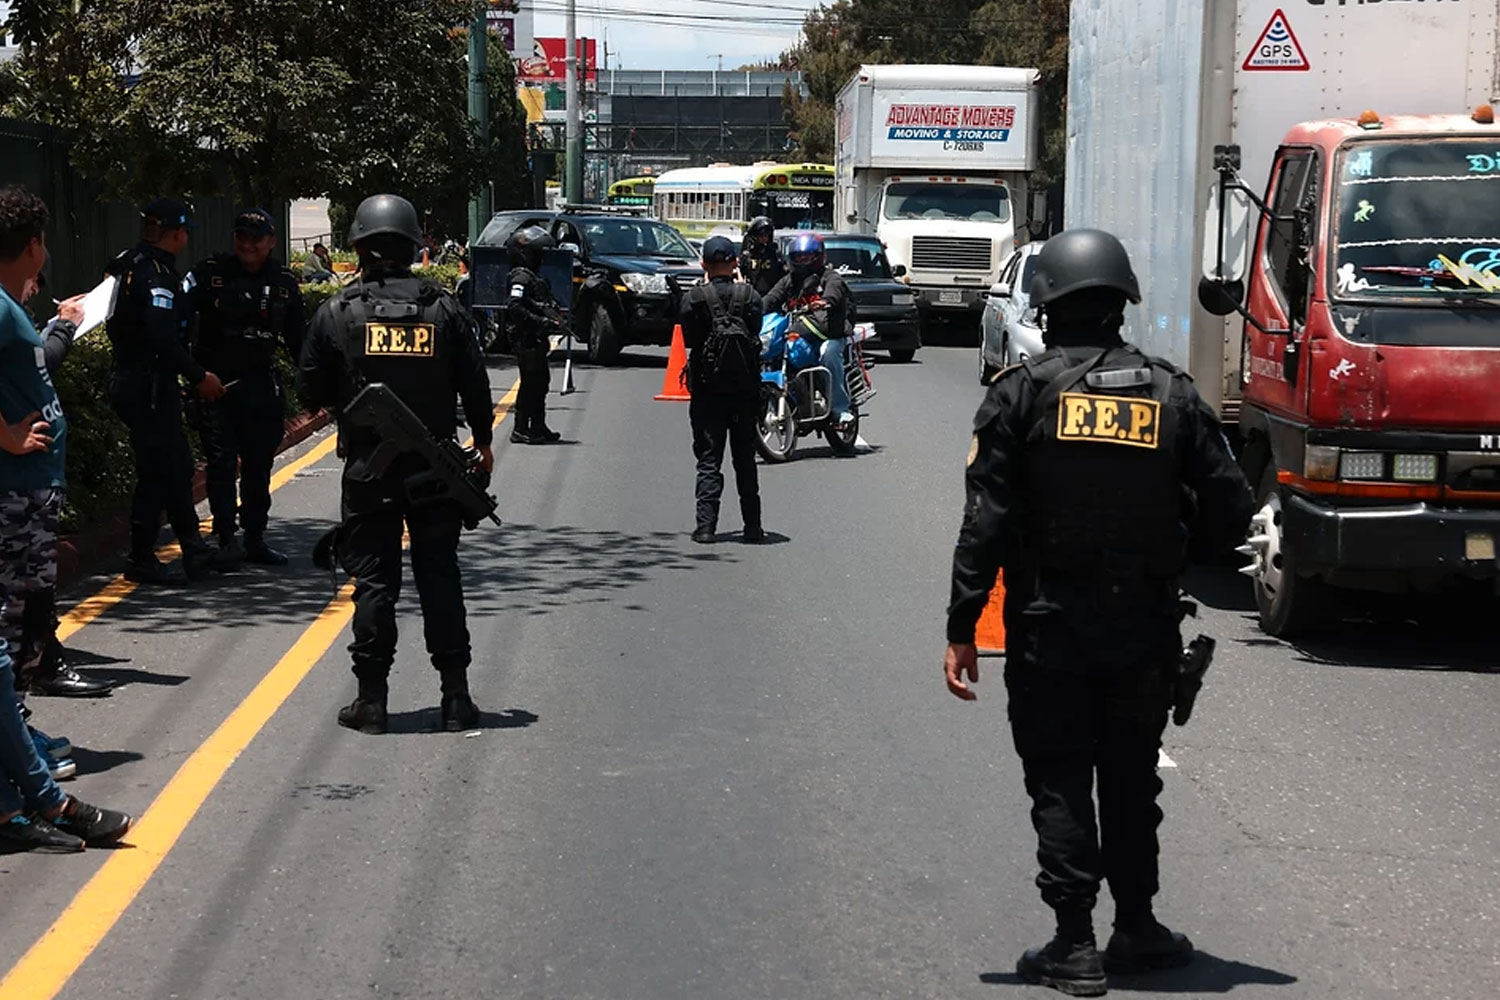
<point>934,160</point>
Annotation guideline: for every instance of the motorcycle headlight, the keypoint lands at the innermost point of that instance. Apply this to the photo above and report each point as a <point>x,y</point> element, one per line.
<point>645,284</point>
<point>903,300</point>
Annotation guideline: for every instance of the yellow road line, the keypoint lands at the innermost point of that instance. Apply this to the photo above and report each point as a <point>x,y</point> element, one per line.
<point>119,588</point>
<point>49,963</point>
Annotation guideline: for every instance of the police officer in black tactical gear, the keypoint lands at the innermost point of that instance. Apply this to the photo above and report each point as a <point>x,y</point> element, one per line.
<point>721,328</point>
<point>761,262</point>
<point>532,317</point>
<point>147,333</point>
<point>1095,472</point>
<point>394,328</point>
<point>243,304</point>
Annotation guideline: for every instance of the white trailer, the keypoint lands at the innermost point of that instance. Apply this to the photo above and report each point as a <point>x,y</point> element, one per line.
<point>934,160</point>
<point>1154,87</point>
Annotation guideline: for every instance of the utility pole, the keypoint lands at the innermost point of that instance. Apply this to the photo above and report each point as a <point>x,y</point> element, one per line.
<point>573,150</point>
<point>479,114</point>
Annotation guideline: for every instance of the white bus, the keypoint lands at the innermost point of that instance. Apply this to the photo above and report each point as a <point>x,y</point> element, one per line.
<point>722,199</point>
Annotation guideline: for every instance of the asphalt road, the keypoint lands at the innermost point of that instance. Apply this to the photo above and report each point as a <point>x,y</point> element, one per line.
<point>733,771</point>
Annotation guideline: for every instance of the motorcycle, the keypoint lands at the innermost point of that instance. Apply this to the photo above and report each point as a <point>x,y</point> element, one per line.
<point>797,393</point>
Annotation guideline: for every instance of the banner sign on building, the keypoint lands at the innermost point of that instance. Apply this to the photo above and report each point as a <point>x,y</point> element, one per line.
<point>548,61</point>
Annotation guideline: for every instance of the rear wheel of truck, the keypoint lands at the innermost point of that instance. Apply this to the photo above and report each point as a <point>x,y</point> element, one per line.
<point>1289,605</point>
<point>604,340</point>
<point>903,355</point>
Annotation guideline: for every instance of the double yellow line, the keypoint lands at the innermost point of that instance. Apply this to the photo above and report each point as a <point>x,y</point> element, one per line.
<point>49,963</point>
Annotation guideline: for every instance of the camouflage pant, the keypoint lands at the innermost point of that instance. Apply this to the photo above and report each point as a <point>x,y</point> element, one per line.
<point>28,566</point>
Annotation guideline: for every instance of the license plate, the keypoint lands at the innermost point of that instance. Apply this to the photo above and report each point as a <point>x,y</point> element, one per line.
<point>950,298</point>
<point>1479,545</point>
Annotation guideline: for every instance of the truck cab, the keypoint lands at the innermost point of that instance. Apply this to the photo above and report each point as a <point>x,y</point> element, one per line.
<point>1371,361</point>
<point>951,231</point>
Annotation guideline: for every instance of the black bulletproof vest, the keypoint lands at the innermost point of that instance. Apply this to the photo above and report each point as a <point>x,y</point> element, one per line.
<point>1103,489</point>
<point>248,317</point>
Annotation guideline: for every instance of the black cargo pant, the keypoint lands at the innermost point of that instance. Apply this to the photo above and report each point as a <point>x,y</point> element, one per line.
<point>1086,676</point>
<point>242,430</point>
<point>150,404</point>
<point>717,420</point>
<point>536,379</point>
<point>369,549</point>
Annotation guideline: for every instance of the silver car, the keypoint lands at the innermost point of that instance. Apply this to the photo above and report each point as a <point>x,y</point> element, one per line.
<point>1008,328</point>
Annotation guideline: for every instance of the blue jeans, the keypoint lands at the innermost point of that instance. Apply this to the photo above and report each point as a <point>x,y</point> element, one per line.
<point>831,356</point>
<point>23,777</point>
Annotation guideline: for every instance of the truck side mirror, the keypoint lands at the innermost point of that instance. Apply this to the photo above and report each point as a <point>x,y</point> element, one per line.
<point>899,271</point>
<point>1219,297</point>
<point>852,218</point>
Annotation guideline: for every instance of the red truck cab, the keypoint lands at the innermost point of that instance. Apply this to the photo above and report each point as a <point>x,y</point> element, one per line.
<point>1370,359</point>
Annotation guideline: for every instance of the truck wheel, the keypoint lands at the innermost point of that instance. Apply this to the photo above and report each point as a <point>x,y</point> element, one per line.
<point>604,341</point>
<point>902,356</point>
<point>1289,605</point>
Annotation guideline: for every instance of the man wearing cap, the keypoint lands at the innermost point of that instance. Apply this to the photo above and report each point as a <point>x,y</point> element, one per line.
<point>151,354</point>
<point>240,306</point>
<point>721,327</point>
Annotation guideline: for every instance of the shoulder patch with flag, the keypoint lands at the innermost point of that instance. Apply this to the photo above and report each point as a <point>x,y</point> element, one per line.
<point>161,298</point>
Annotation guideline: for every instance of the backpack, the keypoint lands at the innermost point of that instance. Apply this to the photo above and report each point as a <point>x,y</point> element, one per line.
<point>729,359</point>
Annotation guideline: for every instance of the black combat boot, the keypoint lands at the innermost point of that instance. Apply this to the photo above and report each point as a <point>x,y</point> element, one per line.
<point>1070,962</point>
<point>704,534</point>
<point>1141,944</point>
<point>258,552</point>
<point>521,432</point>
<point>753,533</point>
<point>230,548</point>
<point>150,570</point>
<point>459,710</point>
<point>366,712</point>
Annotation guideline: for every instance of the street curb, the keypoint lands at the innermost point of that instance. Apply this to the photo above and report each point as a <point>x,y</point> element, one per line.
<point>78,554</point>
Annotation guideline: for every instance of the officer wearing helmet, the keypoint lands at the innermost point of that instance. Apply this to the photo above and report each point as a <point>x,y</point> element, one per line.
<point>826,308</point>
<point>408,333</point>
<point>1094,473</point>
<point>532,317</point>
<point>761,263</point>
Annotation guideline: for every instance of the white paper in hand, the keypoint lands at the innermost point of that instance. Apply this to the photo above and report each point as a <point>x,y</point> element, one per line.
<point>98,305</point>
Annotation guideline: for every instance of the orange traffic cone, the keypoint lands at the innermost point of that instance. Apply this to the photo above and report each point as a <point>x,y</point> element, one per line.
<point>673,387</point>
<point>989,634</point>
<point>425,257</point>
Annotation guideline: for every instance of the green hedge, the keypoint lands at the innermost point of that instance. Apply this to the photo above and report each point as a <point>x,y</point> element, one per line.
<point>100,473</point>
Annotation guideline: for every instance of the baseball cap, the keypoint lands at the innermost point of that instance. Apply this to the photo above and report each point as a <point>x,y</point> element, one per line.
<point>169,213</point>
<point>255,222</point>
<point>718,249</point>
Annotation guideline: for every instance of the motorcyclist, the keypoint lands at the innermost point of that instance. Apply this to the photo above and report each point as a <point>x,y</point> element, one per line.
<point>825,321</point>
<point>761,262</point>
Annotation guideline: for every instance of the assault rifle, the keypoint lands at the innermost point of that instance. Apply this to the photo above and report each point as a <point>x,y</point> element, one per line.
<point>453,472</point>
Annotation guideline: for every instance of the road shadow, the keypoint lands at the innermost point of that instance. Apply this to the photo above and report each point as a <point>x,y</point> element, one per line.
<point>1207,974</point>
<point>950,335</point>
<point>419,721</point>
<point>99,761</point>
<point>1220,585</point>
<point>1410,645</point>
<point>628,359</point>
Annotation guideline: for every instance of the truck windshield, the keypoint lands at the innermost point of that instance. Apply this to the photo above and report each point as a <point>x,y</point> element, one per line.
<point>983,202</point>
<point>1418,220</point>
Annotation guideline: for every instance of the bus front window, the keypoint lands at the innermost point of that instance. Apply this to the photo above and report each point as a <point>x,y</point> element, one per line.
<point>795,209</point>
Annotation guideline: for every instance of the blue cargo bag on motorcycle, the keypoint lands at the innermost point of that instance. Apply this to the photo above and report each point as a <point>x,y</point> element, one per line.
<point>773,329</point>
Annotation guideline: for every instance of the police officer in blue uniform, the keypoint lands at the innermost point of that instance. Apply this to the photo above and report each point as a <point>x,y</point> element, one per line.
<point>147,332</point>
<point>243,304</point>
<point>408,333</point>
<point>1094,473</point>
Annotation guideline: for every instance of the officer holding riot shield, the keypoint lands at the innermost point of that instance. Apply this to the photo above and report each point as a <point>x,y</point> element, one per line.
<point>1095,471</point>
<point>242,305</point>
<point>407,333</point>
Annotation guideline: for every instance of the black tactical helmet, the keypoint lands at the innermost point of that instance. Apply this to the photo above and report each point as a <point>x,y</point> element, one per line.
<point>385,213</point>
<point>526,244</point>
<point>759,224</point>
<point>1082,258</point>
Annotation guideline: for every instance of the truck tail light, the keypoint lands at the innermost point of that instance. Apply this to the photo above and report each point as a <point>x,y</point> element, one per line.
<point>1415,469</point>
<point>1367,465</point>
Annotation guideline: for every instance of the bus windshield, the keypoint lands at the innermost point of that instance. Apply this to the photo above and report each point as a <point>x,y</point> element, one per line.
<point>1418,220</point>
<point>935,200</point>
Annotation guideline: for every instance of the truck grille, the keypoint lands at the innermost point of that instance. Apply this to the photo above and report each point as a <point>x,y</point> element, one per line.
<point>951,253</point>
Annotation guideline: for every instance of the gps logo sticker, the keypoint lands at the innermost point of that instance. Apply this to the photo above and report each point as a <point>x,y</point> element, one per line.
<point>1123,420</point>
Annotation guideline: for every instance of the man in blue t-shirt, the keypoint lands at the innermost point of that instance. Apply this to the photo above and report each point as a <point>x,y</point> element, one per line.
<point>33,433</point>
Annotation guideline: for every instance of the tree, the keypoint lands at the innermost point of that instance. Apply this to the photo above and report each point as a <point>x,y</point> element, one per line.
<point>284,98</point>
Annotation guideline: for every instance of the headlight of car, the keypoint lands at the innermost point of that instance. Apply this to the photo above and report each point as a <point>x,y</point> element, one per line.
<point>645,284</point>
<point>903,300</point>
